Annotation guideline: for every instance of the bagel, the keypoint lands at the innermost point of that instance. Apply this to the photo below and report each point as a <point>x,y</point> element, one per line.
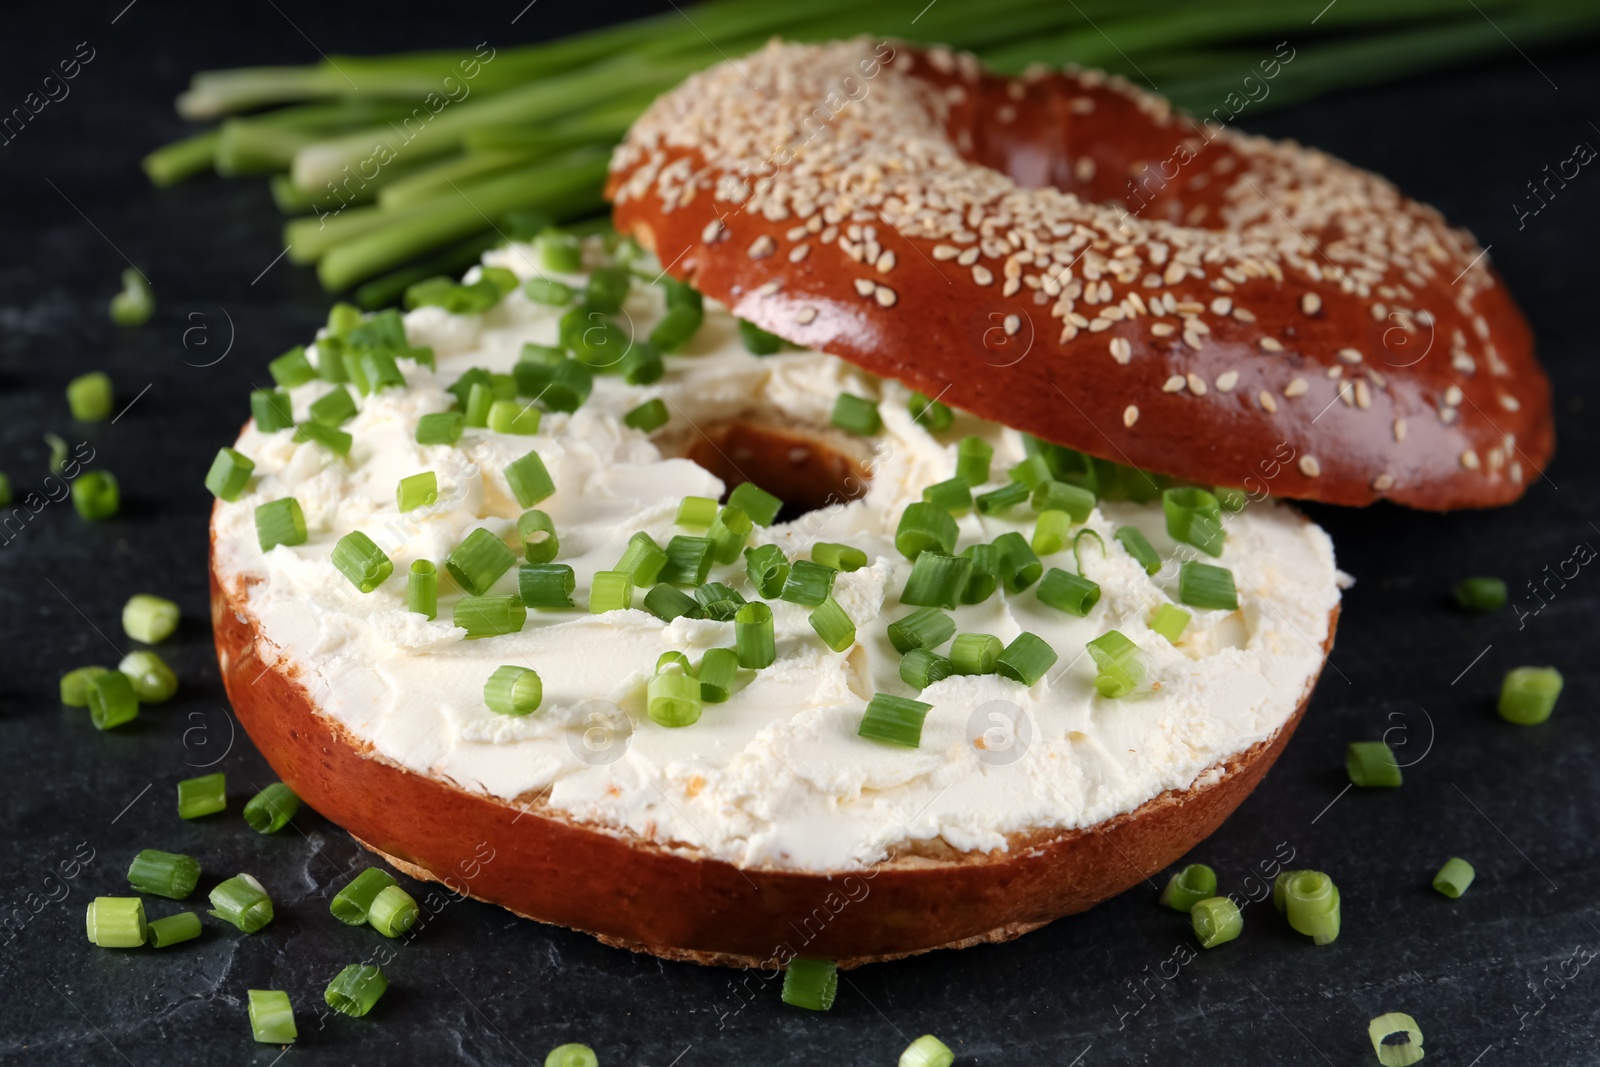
<point>1068,255</point>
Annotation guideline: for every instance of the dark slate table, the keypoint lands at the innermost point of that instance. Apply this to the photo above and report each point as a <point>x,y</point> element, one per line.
<point>1502,976</point>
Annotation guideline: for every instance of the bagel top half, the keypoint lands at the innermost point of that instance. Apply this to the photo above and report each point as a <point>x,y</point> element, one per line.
<point>1067,255</point>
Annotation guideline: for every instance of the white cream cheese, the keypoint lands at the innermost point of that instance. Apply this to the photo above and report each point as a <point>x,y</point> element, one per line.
<point>777,775</point>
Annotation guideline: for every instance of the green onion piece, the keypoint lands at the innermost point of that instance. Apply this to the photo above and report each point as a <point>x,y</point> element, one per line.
<point>728,533</point>
<point>479,561</point>
<point>356,989</point>
<point>1068,592</point>
<point>174,929</point>
<point>608,288</point>
<point>333,409</point>
<point>1119,670</point>
<point>270,410</point>
<point>351,904</point>
<point>647,417</point>
<point>1188,887</point>
<point>642,365</point>
<point>610,591</point>
<point>89,396</point>
<point>1231,499</point>
<point>558,252</point>
<point>895,720</point>
<point>925,526</point>
<point>667,603</point>
<point>1025,659</point>
<point>953,496</point>
<point>756,502</point>
<point>513,417</point>
<point>810,982</point>
<point>1454,877</point>
<point>1311,901</point>
<point>1077,545</point>
<point>985,577</point>
<point>672,657</point>
<point>134,305</point>
<point>758,342</point>
<point>1051,532</point>
<point>572,1055</point>
<point>280,522</point>
<point>95,495</point>
<point>975,653</point>
<point>924,628</point>
<point>148,618</point>
<point>1170,621</point>
<point>1396,1039</point>
<point>1528,695</point>
<point>927,1051</point>
<point>1201,585</point>
<point>1481,594</point>
<point>856,414</point>
<point>590,335</point>
<point>292,368</point>
<point>1032,472</point>
<point>513,690</point>
<point>1216,920</point>
<point>833,625</point>
<point>205,795</point>
<point>840,557</point>
<point>718,601</point>
<point>753,636</point>
<point>229,474</point>
<point>1051,495</point>
<point>330,360</point>
<point>326,438</point>
<point>559,383</point>
<point>996,501</point>
<point>718,669</point>
<point>116,922</point>
<point>933,415</point>
<point>342,318</point>
<point>271,1017</point>
<point>489,616</point>
<point>1194,517</point>
<point>1371,765</point>
<point>417,491</point>
<point>972,460</point>
<point>697,511</point>
<point>1018,567</point>
<point>673,696</point>
<point>529,481</point>
<point>768,569</point>
<point>936,580</point>
<point>676,327</point>
<point>548,291</point>
<point>462,387</point>
<point>152,680</point>
<point>363,562</point>
<point>643,559</point>
<point>689,560</point>
<point>379,368</point>
<point>242,901</point>
<point>920,668</point>
<point>393,911</point>
<point>440,428</point>
<point>1280,889</point>
<point>422,589</point>
<point>538,532</point>
<point>112,700</point>
<point>479,400</point>
<point>546,585</point>
<point>809,583</point>
<point>271,809</point>
<point>75,686</point>
<point>164,874</point>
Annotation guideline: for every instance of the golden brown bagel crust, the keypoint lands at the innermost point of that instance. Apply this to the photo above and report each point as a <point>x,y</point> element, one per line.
<point>639,895</point>
<point>1217,307</point>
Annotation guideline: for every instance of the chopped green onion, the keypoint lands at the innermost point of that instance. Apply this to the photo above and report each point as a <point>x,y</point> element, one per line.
<point>1077,543</point>
<point>392,912</point>
<point>546,585</point>
<point>925,526</point>
<point>673,696</point>
<point>936,580</point>
<point>552,379</point>
<point>856,414</point>
<point>513,690</point>
<point>572,1055</point>
<point>608,288</point>
<point>768,569</point>
<point>89,396</point>
<point>985,577</point>
<point>1311,901</point>
<point>1170,621</point>
<point>5,490</point>
<point>758,342</point>
<point>538,532</point>
<point>1454,877</point>
<point>356,989</point>
<point>953,496</point>
<point>1017,565</point>
<point>174,929</point>
<point>379,368</point>
<point>112,700</point>
<point>363,562</point>
<point>75,686</point>
<point>529,481</point>
<point>148,618</point>
<point>975,653</point>
<point>95,495</point>
<point>462,387</point>
<point>1032,472</point>
<point>351,904</point>
<point>229,474</point>
<point>333,409</point>
<point>1194,517</point>
<point>1280,889</point>
<point>895,720</point>
<point>718,669</point>
<point>754,501</point>
<point>164,874</point>
<point>643,559</point>
<point>924,628</point>
<point>697,511</point>
<point>840,557</point>
<point>1201,585</point>
<point>342,318</point>
<point>1396,1039</point>
<point>479,400</point>
<point>205,795</point>
<point>1371,765</point>
<point>152,680</point>
<point>1068,592</point>
<point>558,252</point>
<point>422,589</point>
<point>270,410</point>
<point>1216,920</point>
<point>1002,499</point>
<point>489,616</point>
<point>440,428</point>
<point>927,1051</point>
<point>116,922</point>
<point>972,460</point>
<point>1481,594</point>
<point>271,1017</point>
<point>417,491</point>
<point>676,327</point>
<point>1119,670</point>
<point>833,625</point>
<point>753,636</point>
<point>548,291</point>
<point>920,668</point>
<point>325,437</point>
<point>718,601</point>
<point>728,533</point>
<point>667,603</point>
<point>271,809</point>
<point>1051,532</point>
<point>280,522</point>
<point>1025,659</point>
<point>1052,495</point>
<point>642,365</point>
<point>1528,695</point>
<point>514,417</point>
<point>610,591</point>
<point>479,561</point>
<point>292,368</point>
<point>689,560</point>
<point>809,583</point>
<point>1188,887</point>
<point>647,417</point>
<point>1231,499</point>
<point>134,305</point>
<point>810,982</point>
<point>931,413</point>
<point>242,901</point>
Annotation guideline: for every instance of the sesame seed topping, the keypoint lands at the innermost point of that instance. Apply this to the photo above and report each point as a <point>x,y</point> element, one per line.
<point>1271,344</point>
<point>1399,430</point>
<point>1469,459</point>
<point>1296,388</point>
<point>762,247</point>
<point>885,263</point>
<point>1012,323</point>
<point>1162,329</point>
<point>1130,415</point>
<point>1310,303</point>
<point>1197,384</point>
<point>1309,466</point>
<point>767,289</point>
<point>799,252</point>
<point>713,232</point>
<point>1121,350</point>
<point>1349,355</point>
<point>885,296</point>
<point>806,316</point>
<point>1268,402</point>
<point>1383,482</point>
<point>1509,402</point>
<point>1173,384</point>
<point>982,275</point>
<point>1227,380</point>
<point>866,286</point>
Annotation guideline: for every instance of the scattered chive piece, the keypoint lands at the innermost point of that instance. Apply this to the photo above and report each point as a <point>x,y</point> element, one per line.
<point>75,686</point>
<point>548,291</point>
<point>758,342</point>
<point>1052,495</point>
<point>953,496</point>
<point>272,1017</point>
<point>608,288</point>
<point>1371,765</point>
<point>642,365</point>
<point>975,653</point>
<point>89,396</point>
<point>920,668</point>
<point>931,413</point>
<point>356,989</point>
<point>116,922</point>
<point>754,501</point>
<point>1068,592</point>
<point>558,252</point>
<point>112,700</point>
<point>927,1051</point>
<point>379,368</point>
<point>689,560</point>
<point>1231,499</point>
<point>718,601</point>
<point>676,327</point>
<point>333,409</point>
<point>1311,901</point>
<point>152,680</point>
<point>270,410</point>
<point>242,901</point>
<point>1170,621</point>
<point>697,511</point>
<point>1396,1039</point>
<point>1216,920</point>
<point>1188,887</point>
<point>1194,517</point>
<point>809,583</point>
<point>58,452</point>
<point>1025,659</point>
<point>753,636</point>
<point>229,474</point>
<point>363,562</point>
<point>924,628</point>
<point>840,557</point>
<point>728,533</point>
<point>325,437</point>
<point>1077,546</point>
<point>1201,585</point>
<point>417,491</point>
<point>164,874</point>
<point>1118,668</point>
<point>174,929</point>
<point>672,657</point>
<point>972,460</point>
<point>393,911</point>
<point>5,490</point>
<point>1002,499</point>
<point>667,603</point>
<point>643,559</point>
<point>985,577</point>
<point>768,569</point>
<point>925,526</point>
<point>936,580</point>
<point>350,904</point>
<point>292,368</point>
<point>271,809</point>
<point>95,495</point>
<point>280,522</point>
<point>833,625</point>
<point>479,561</point>
<point>1018,567</point>
<point>673,696</point>
<point>1528,695</point>
<point>810,982</point>
<point>1032,472</point>
<point>856,414</point>
<point>610,591</point>
<point>148,618</point>
<point>422,589</point>
<point>513,690</point>
<point>1481,594</point>
<point>134,305</point>
<point>718,669</point>
<point>479,400</point>
<point>546,585</point>
<point>205,795</point>
<point>1051,532</point>
<point>342,318</point>
<point>489,616</point>
<point>461,388</point>
<point>647,417</point>
<point>538,532</point>
<point>440,428</point>
<point>1454,877</point>
<point>529,481</point>
<point>514,417</point>
<point>895,720</point>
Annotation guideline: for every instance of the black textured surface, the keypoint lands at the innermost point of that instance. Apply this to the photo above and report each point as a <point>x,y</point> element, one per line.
<point>1502,976</point>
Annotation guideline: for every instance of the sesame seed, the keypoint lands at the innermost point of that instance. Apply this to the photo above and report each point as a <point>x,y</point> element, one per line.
<point>1012,324</point>
<point>1173,384</point>
<point>1268,402</point>
<point>1452,395</point>
<point>767,289</point>
<point>886,296</point>
<point>1130,415</point>
<point>1363,395</point>
<point>1383,482</point>
<point>1310,303</point>
<point>1349,355</point>
<point>982,275</point>
<point>1309,466</point>
<point>806,316</point>
<point>866,286</point>
<point>1197,384</point>
<point>713,232</point>
<point>1162,329</point>
<point>885,263</point>
<point>1399,430</point>
<point>1271,344</point>
<point>1227,380</point>
<point>942,252</point>
<point>799,252</point>
<point>762,247</point>
<point>1244,315</point>
<point>1296,388</point>
<point>1469,459</point>
<point>1509,402</point>
<point>1121,350</point>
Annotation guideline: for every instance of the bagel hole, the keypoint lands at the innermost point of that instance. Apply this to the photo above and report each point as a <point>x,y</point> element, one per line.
<point>797,468</point>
